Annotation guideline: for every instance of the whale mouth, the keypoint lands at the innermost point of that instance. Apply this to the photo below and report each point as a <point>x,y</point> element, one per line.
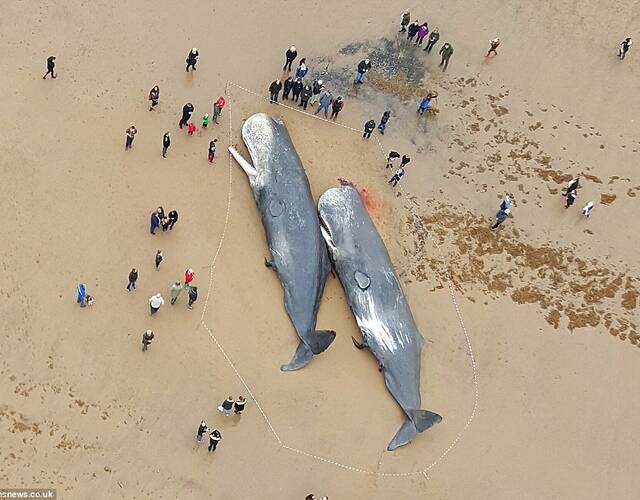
<point>326,233</point>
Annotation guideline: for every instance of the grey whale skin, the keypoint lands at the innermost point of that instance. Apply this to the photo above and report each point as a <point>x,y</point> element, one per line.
<point>290,219</point>
<point>378,303</point>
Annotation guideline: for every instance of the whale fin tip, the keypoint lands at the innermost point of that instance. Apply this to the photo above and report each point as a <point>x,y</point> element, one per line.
<point>418,421</point>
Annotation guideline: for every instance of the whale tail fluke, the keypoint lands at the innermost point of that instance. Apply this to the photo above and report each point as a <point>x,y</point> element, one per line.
<point>317,342</point>
<point>320,340</point>
<point>418,421</point>
<point>423,419</point>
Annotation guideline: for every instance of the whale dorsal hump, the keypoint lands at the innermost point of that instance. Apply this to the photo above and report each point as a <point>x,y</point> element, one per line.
<point>362,280</point>
<point>276,207</point>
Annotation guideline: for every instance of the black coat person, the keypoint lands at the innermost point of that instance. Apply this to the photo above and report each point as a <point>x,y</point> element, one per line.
<point>51,64</point>
<point>288,86</point>
<point>296,89</point>
<point>173,218</point>
<point>192,59</point>
<point>187,109</point>
<point>305,96</point>
<point>290,56</point>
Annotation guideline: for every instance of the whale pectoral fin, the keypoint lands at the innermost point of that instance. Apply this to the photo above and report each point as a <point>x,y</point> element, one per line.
<point>418,421</point>
<point>249,169</point>
<point>301,358</point>
<point>320,340</point>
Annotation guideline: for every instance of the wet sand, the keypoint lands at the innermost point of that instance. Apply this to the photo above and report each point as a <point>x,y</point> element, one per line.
<point>549,301</point>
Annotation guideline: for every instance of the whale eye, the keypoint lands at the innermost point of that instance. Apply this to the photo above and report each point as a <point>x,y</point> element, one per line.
<point>276,207</point>
<point>362,280</point>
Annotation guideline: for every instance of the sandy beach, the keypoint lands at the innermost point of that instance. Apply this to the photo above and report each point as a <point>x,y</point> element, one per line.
<point>532,331</point>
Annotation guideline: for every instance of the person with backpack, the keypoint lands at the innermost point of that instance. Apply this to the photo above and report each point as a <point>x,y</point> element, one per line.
<point>317,88</point>
<point>212,150</point>
<point>301,70</point>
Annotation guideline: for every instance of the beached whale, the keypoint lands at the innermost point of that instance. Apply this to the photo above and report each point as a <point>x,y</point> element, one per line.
<point>378,303</point>
<point>290,219</point>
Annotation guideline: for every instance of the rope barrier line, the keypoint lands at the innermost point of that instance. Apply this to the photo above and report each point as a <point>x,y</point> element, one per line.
<point>212,267</point>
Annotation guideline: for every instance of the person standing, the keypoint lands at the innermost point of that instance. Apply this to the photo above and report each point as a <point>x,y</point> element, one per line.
<point>188,277</point>
<point>571,197</point>
<point>131,134</point>
<point>290,56</point>
<point>187,109</point>
<point>154,96</point>
<point>383,121</point>
<point>296,88</point>
<point>506,202</point>
<point>174,291</point>
<point>133,277</point>
<point>192,59</point>
<point>625,45</point>
<point>147,339</point>
<point>405,161</point>
<point>413,30</point>
<point>368,128</point>
<point>404,21</point>
<point>226,406</point>
<point>325,102</point>
<point>586,210</point>
<point>391,157</point>
<point>173,218</point>
<point>212,150</point>
<point>166,142</point>
<point>155,222</point>
<point>205,121</point>
<point>202,428</point>
<point>301,70</point>
<point>51,65</point>
<point>433,38</point>
<point>217,108</point>
<point>288,85</point>
<point>363,67</point>
<point>193,296</point>
<point>501,216</point>
<point>239,405</point>
<point>191,128</point>
<point>336,107</point>
<point>274,90</point>
<point>214,439</point>
<point>155,302</point>
<point>305,96</point>
<point>573,185</point>
<point>81,294</point>
<point>317,87</point>
<point>494,46</point>
<point>446,51</point>
<point>395,178</point>
<point>421,33</point>
<point>159,259</point>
